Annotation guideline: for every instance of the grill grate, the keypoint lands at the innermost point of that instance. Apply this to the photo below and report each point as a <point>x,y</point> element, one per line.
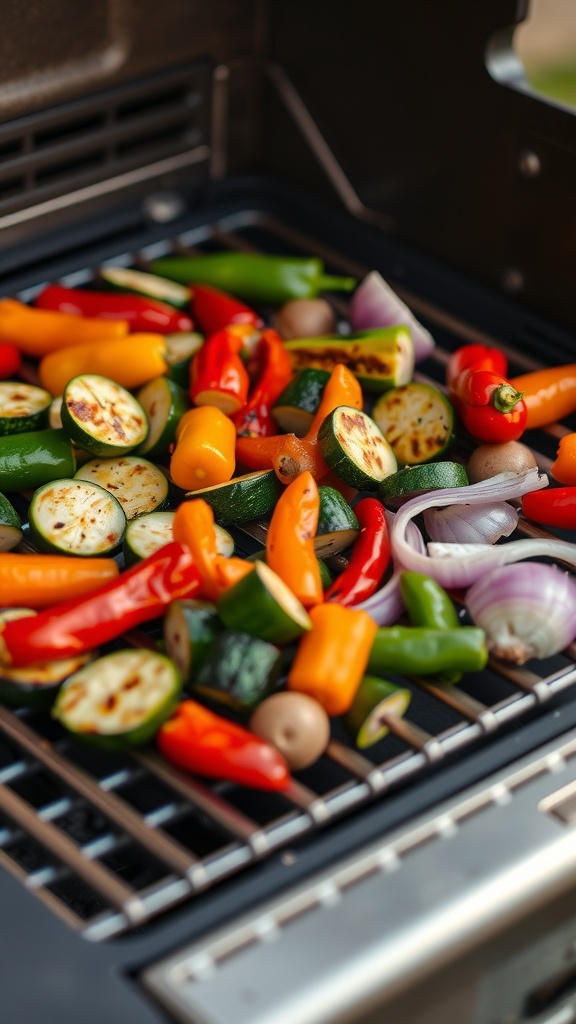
<point>112,840</point>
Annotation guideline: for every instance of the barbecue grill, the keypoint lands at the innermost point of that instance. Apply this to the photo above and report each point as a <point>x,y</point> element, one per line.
<point>430,878</point>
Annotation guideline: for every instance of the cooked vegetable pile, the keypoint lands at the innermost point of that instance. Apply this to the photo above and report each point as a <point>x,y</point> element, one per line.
<point>145,419</point>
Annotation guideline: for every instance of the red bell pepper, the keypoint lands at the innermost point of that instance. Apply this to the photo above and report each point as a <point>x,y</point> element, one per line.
<point>490,408</point>
<point>203,742</point>
<point>73,627</point>
<point>218,375</point>
<point>555,506</point>
<point>10,360</point>
<point>214,310</point>
<point>475,357</point>
<point>369,559</point>
<point>143,314</point>
<point>256,420</point>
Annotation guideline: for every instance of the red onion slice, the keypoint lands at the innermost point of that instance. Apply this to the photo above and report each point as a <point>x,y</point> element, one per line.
<point>386,605</point>
<point>375,304</point>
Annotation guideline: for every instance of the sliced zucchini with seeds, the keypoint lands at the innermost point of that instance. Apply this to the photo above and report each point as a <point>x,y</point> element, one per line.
<point>243,498</point>
<point>76,517</point>
<point>149,532</point>
<point>55,413</point>
<point>190,629</point>
<point>36,685</point>
<point>294,410</point>
<point>380,358</point>
<point>180,351</point>
<point>262,605</point>
<point>164,404</point>
<point>138,282</point>
<point>101,416</point>
<point>328,544</point>
<point>120,699</point>
<point>417,420</point>
<point>10,525</point>
<point>23,407</point>
<point>139,485</point>
<point>414,480</point>
<point>355,449</point>
<point>375,698</point>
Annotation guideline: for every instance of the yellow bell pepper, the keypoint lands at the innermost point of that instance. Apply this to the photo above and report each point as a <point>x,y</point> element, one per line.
<point>130,361</point>
<point>204,454</point>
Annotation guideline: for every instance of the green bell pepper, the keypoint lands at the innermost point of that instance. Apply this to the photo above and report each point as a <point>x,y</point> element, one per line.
<point>428,604</point>
<point>420,651</point>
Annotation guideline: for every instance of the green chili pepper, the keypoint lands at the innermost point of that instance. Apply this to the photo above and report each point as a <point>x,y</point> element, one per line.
<point>428,604</point>
<point>254,276</point>
<point>417,650</point>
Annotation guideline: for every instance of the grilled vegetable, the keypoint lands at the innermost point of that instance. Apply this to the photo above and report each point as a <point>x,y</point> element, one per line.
<point>253,276</point>
<point>305,318</point>
<point>428,604</point>
<point>102,417</point>
<point>37,685</point>
<point>369,559</point>
<point>294,409</point>
<point>490,459</point>
<point>335,513</point>
<point>355,449</point>
<point>238,671</point>
<point>255,419</point>
<point>375,699</point>
<point>138,484</point>
<point>139,283</point>
<point>218,375</point>
<point>382,358</point>
<point>130,361</point>
<point>29,460</point>
<point>413,480</point>
<point>164,404</point>
<point>204,454</point>
<point>142,314</point>
<point>10,525</point>
<point>295,724</point>
<point>243,498</point>
<point>417,421</point>
<point>39,581</point>
<point>119,699</point>
<point>36,332</point>
<point>263,606</point>
<point>201,741</point>
<point>77,518</point>
<point>420,651</point>
<point>290,540</point>
<point>214,309</point>
<point>194,527</point>
<point>149,532</point>
<point>190,630</point>
<point>180,350</point>
<point>23,407</point>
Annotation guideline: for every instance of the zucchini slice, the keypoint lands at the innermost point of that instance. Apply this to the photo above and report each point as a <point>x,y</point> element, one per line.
<point>294,409</point>
<point>261,605</point>
<point>381,358</point>
<point>138,484</point>
<point>149,532</point>
<point>23,407</point>
<point>138,282</point>
<point>75,517</point>
<point>328,544</point>
<point>164,404</point>
<point>375,698</point>
<point>102,417</point>
<point>10,525</point>
<point>413,480</point>
<point>335,512</point>
<point>119,699</point>
<point>190,629</point>
<point>29,460</point>
<point>180,351</point>
<point>243,498</point>
<point>355,448</point>
<point>417,420</point>
<point>36,685</point>
<point>239,671</point>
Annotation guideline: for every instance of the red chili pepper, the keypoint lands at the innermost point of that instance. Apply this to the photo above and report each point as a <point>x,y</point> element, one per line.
<point>138,595</point>
<point>475,357</point>
<point>369,559</point>
<point>10,360</point>
<point>555,506</point>
<point>256,420</point>
<point>201,741</point>
<point>489,407</point>
<point>143,314</point>
<point>214,310</point>
<point>218,376</point>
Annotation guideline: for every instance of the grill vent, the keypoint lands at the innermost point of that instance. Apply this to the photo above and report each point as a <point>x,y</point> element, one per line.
<point>78,143</point>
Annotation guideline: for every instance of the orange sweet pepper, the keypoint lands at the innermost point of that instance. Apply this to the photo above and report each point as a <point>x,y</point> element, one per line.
<point>290,539</point>
<point>130,361</point>
<point>332,657</point>
<point>36,332</point>
<point>564,468</point>
<point>548,394</point>
<point>194,527</point>
<point>204,452</point>
<point>39,581</point>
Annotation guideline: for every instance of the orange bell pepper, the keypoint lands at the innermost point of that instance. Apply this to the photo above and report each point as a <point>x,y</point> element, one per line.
<point>131,361</point>
<point>194,527</point>
<point>290,539</point>
<point>564,468</point>
<point>36,332</point>
<point>204,452</point>
<point>331,659</point>
<point>39,581</point>
<point>548,394</point>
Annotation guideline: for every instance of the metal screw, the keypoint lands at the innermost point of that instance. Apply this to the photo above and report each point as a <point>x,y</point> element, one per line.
<point>163,207</point>
<point>529,163</point>
<point>513,280</point>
